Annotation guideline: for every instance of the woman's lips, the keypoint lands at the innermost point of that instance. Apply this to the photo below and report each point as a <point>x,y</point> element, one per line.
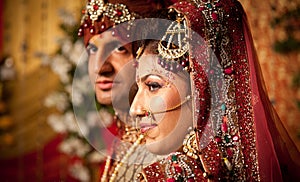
<point>147,127</point>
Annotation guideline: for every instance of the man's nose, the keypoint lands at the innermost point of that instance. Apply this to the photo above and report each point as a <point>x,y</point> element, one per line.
<point>102,56</point>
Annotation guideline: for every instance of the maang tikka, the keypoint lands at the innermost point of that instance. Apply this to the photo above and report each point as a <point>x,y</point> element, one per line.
<point>173,47</point>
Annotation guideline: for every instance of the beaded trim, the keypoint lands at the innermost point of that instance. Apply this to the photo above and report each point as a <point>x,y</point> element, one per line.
<point>177,168</point>
<point>231,117</point>
<point>224,116</point>
<point>96,10</point>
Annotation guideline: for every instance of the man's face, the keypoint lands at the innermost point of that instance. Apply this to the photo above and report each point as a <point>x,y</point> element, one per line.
<point>107,56</point>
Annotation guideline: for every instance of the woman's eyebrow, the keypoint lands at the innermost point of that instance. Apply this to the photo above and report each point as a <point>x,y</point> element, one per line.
<point>147,76</point>
<point>144,78</point>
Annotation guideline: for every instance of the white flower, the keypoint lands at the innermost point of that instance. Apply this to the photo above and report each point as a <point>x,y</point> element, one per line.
<point>61,67</point>
<point>7,73</point>
<point>82,84</point>
<point>96,156</point>
<point>78,53</point>
<point>80,88</point>
<point>66,47</point>
<point>92,118</point>
<point>84,129</point>
<point>57,123</point>
<point>70,122</point>
<point>57,99</point>
<point>77,98</point>
<point>63,123</point>
<point>80,172</point>
<point>67,17</point>
<point>75,146</point>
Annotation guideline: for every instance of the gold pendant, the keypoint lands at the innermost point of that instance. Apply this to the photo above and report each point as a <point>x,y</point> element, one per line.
<point>190,146</point>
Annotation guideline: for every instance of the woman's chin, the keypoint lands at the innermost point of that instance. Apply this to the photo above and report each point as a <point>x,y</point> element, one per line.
<point>161,147</point>
<point>154,149</point>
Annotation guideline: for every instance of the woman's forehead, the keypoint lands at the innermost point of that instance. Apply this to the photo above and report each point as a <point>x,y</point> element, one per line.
<point>148,65</point>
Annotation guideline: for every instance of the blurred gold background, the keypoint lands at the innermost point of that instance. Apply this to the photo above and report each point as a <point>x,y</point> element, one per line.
<point>30,26</point>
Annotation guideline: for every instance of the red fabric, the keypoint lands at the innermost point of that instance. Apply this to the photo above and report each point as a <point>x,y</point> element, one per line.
<point>272,138</point>
<point>46,165</point>
<point>268,166</point>
<point>268,152</point>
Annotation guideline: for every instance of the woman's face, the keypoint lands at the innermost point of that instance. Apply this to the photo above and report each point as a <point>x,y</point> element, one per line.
<point>162,112</point>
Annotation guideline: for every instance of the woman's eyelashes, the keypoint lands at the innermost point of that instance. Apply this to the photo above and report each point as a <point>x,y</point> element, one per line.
<point>153,86</point>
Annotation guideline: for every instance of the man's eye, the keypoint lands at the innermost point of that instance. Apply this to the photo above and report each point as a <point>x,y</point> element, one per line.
<point>120,49</point>
<point>153,86</point>
<point>91,49</point>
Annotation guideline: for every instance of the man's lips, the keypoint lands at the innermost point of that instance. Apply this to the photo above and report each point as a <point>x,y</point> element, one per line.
<point>146,127</point>
<point>104,85</point>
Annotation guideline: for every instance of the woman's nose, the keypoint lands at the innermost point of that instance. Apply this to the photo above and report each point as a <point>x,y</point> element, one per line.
<point>136,111</point>
<point>137,107</point>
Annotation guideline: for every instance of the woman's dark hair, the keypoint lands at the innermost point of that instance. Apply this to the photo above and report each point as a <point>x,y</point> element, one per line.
<point>153,30</point>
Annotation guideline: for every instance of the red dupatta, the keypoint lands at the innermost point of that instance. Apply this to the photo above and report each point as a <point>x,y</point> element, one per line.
<point>239,134</point>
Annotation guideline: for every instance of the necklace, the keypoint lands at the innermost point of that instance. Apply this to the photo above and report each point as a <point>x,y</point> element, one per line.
<point>106,168</point>
<point>119,165</point>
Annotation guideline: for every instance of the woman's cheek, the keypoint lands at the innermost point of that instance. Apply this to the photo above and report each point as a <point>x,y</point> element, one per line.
<point>158,104</point>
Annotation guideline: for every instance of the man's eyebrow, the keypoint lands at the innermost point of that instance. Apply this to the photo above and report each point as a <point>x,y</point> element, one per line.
<point>114,44</point>
<point>111,42</point>
<point>90,44</point>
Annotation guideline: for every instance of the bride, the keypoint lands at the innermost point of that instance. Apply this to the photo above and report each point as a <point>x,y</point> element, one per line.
<point>201,101</point>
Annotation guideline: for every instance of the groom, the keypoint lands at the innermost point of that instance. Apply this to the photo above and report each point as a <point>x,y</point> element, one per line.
<point>109,56</point>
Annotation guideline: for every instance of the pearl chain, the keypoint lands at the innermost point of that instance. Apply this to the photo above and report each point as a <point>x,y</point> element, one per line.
<point>119,165</point>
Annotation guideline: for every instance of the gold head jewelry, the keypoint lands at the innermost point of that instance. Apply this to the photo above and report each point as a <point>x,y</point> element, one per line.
<point>174,44</point>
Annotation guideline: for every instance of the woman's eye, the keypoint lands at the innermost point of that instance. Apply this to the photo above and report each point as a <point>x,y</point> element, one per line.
<point>91,49</point>
<point>153,86</point>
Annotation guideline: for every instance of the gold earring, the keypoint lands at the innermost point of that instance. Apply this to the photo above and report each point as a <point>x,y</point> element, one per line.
<point>190,146</point>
